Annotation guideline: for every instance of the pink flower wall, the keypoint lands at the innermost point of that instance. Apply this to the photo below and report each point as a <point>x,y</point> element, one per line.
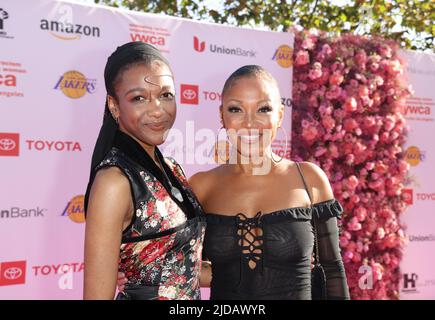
<point>348,92</point>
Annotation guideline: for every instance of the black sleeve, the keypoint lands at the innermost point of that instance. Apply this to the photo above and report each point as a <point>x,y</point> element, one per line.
<point>330,259</point>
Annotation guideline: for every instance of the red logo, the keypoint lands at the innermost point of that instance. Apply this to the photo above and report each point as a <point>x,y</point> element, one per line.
<point>198,45</point>
<point>408,196</point>
<point>189,94</point>
<point>9,144</point>
<point>13,272</point>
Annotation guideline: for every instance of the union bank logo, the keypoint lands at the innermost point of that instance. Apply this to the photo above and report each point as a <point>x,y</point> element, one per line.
<point>75,209</point>
<point>75,85</point>
<point>284,56</point>
<point>198,45</point>
<point>189,94</point>
<point>12,273</point>
<point>9,144</point>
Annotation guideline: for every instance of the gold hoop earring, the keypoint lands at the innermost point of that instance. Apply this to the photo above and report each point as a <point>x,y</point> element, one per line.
<point>217,151</point>
<point>285,149</point>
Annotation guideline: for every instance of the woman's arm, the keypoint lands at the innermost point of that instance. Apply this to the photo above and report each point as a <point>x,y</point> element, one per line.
<point>205,275</point>
<point>327,235</point>
<point>109,211</point>
<point>199,183</point>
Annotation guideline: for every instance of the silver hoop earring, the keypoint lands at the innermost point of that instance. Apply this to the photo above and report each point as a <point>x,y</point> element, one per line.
<point>217,146</point>
<point>285,149</point>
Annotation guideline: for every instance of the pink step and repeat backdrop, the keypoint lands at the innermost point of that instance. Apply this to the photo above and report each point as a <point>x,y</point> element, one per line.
<point>418,280</point>
<point>52,57</point>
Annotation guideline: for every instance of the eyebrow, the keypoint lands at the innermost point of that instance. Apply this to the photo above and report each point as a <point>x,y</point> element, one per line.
<point>141,89</point>
<point>261,101</point>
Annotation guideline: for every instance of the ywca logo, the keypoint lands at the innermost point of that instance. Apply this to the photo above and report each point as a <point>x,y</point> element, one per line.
<point>13,272</point>
<point>408,196</point>
<point>75,85</point>
<point>189,94</point>
<point>75,209</point>
<point>284,56</point>
<point>198,45</point>
<point>9,144</point>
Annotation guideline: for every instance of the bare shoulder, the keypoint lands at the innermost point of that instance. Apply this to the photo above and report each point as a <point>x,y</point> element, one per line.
<point>317,181</point>
<point>202,182</point>
<point>110,194</point>
<point>111,179</point>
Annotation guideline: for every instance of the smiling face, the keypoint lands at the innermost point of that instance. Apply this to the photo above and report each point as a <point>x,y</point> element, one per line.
<point>252,112</point>
<point>145,102</point>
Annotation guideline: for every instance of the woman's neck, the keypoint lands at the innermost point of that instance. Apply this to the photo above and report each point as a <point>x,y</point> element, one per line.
<point>149,149</point>
<point>249,166</point>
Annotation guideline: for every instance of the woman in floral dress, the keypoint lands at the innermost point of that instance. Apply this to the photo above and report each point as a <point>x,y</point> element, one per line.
<point>142,219</point>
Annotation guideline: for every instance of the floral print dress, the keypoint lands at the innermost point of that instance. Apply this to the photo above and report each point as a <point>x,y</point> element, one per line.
<point>161,250</point>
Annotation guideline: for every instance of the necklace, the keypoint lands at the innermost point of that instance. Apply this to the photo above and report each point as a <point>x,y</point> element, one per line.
<point>175,192</point>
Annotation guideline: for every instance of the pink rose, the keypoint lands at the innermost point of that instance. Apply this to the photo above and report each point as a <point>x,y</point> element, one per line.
<point>343,242</point>
<point>352,182</point>
<point>333,93</point>
<point>350,105</point>
<point>350,124</point>
<point>310,133</point>
<point>380,233</point>
<point>363,91</point>
<point>333,150</point>
<point>385,51</point>
<point>361,58</point>
<point>336,78</point>
<point>361,213</point>
<point>320,151</point>
<point>394,68</point>
<point>314,74</point>
<point>302,58</point>
<point>328,123</point>
<point>374,66</point>
<point>305,124</point>
<point>308,44</point>
<point>326,49</point>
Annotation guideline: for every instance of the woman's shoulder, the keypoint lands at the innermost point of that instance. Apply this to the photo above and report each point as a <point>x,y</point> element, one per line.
<point>203,181</point>
<point>203,178</point>
<point>317,181</point>
<point>110,194</point>
<point>111,178</point>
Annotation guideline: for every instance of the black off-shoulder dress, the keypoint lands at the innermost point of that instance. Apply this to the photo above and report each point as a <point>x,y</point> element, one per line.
<point>275,261</point>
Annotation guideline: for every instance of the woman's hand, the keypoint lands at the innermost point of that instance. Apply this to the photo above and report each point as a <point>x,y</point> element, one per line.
<point>122,280</point>
<point>205,274</point>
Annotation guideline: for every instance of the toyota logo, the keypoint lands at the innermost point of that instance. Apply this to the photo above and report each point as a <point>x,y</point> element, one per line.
<point>7,144</point>
<point>13,273</point>
<point>189,94</point>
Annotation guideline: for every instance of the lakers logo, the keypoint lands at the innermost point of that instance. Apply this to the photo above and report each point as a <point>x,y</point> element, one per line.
<point>284,56</point>
<point>75,209</point>
<point>413,156</point>
<point>75,85</point>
